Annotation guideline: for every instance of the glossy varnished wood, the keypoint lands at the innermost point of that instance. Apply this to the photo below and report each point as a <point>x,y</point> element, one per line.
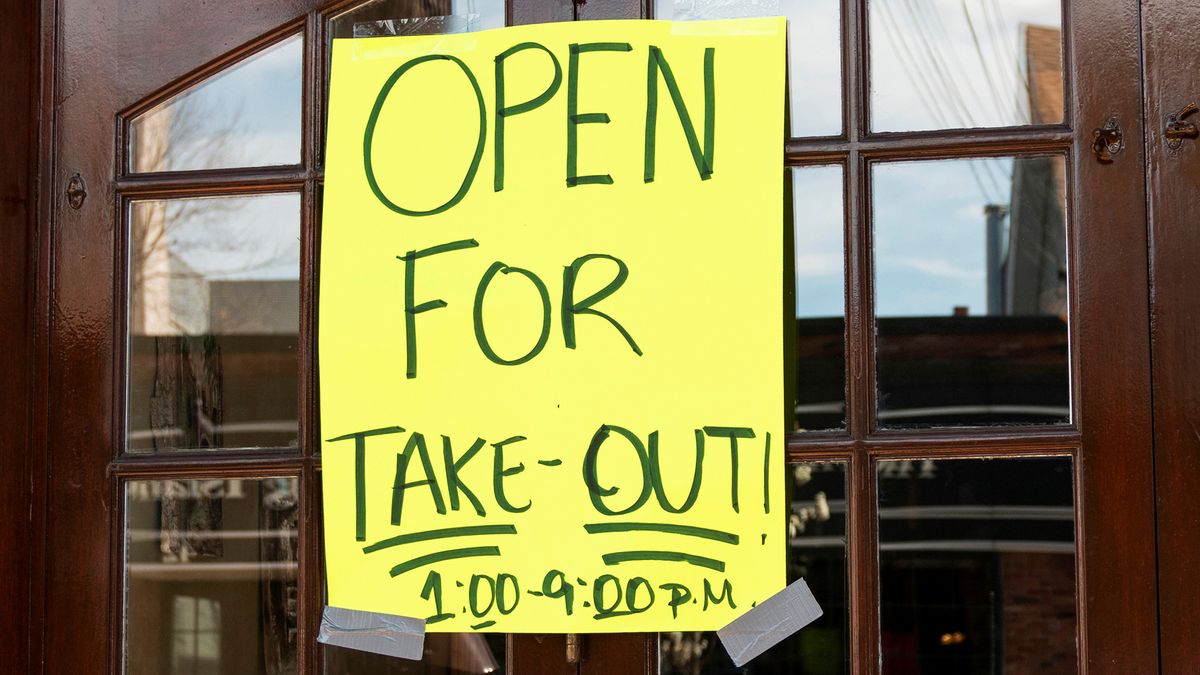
<point>111,55</point>
<point>115,55</point>
<point>19,78</point>
<point>1172,81</point>
<point>1107,245</point>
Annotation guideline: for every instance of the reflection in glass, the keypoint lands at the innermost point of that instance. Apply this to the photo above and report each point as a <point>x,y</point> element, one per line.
<point>214,316</point>
<point>245,115</point>
<point>814,52</point>
<point>817,552</point>
<point>971,291</point>
<point>977,566</point>
<point>210,577</point>
<point>376,18</point>
<point>941,64</point>
<point>820,298</point>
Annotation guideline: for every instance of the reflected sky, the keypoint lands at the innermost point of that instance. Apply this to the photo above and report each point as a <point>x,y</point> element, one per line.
<point>957,63</point>
<point>930,233</point>
<point>930,229</point>
<point>246,115</point>
<point>817,205</point>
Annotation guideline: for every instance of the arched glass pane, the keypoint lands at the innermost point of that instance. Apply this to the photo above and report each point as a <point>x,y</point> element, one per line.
<point>245,115</point>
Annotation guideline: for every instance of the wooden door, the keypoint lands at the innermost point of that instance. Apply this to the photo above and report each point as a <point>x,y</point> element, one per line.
<point>1173,173</point>
<point>182,480</point>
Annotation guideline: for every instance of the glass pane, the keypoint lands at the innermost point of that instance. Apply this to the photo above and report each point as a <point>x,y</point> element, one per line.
<point>977,566</point>
<point>971,292</point>
<point>214,316</point>
<point>820,298</point>
<point>817,535</point>
<point>814,52</point>
<point>245,115</point>
<point>942,64</point>
<point>375,18</point>
<point>210,576</point>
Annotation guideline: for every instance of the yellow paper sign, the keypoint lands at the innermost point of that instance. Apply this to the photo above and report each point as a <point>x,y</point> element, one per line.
<point>551,336</point>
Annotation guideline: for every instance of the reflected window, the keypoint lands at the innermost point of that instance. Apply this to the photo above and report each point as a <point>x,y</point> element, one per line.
<point>820,346</point>
<point>196,644</point>
<point>211,576</point>
<point>814,52</point>
<point>816,526</point>
<point>947,64</point>
<point>214,317</point>
<point>246,115</point>
<point>971,292</point>
<point>977,566</point>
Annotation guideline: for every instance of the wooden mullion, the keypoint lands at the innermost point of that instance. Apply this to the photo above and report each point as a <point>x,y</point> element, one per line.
<point>252,462</point>
<point>999,436</point>
<point>308,597</point>
<point>935,446</point>
<point>213,182</point>
<point>934,144</point>
<point>961,452</point>
<point>829,454</point>
<point>862,565</point>
<point>861,557</point>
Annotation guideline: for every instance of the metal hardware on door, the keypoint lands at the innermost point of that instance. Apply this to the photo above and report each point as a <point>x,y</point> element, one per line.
<point>574,647</point>
<point>1109,140</point>
<point>1177,129</point>
<point>76,191</point>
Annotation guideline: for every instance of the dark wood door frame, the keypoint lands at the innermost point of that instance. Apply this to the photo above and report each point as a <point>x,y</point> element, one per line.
<point>25,75</point>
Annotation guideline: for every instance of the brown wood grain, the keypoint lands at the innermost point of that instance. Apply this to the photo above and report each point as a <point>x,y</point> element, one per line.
<point>115,54</point>
<point>1172,81</point>
<point>19,79</point>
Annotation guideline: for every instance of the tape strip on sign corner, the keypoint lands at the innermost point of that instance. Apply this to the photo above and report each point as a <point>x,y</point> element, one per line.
<point>770,622</point>
<point>387,634</point>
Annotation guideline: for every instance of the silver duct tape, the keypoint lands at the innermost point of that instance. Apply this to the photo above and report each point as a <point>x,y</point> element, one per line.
<point>770,622</point>
<point>387,634</point>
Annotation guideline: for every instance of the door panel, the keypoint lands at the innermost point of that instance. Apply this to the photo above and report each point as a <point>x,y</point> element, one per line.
<point>1173,81</point>
<point>112,54</point>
